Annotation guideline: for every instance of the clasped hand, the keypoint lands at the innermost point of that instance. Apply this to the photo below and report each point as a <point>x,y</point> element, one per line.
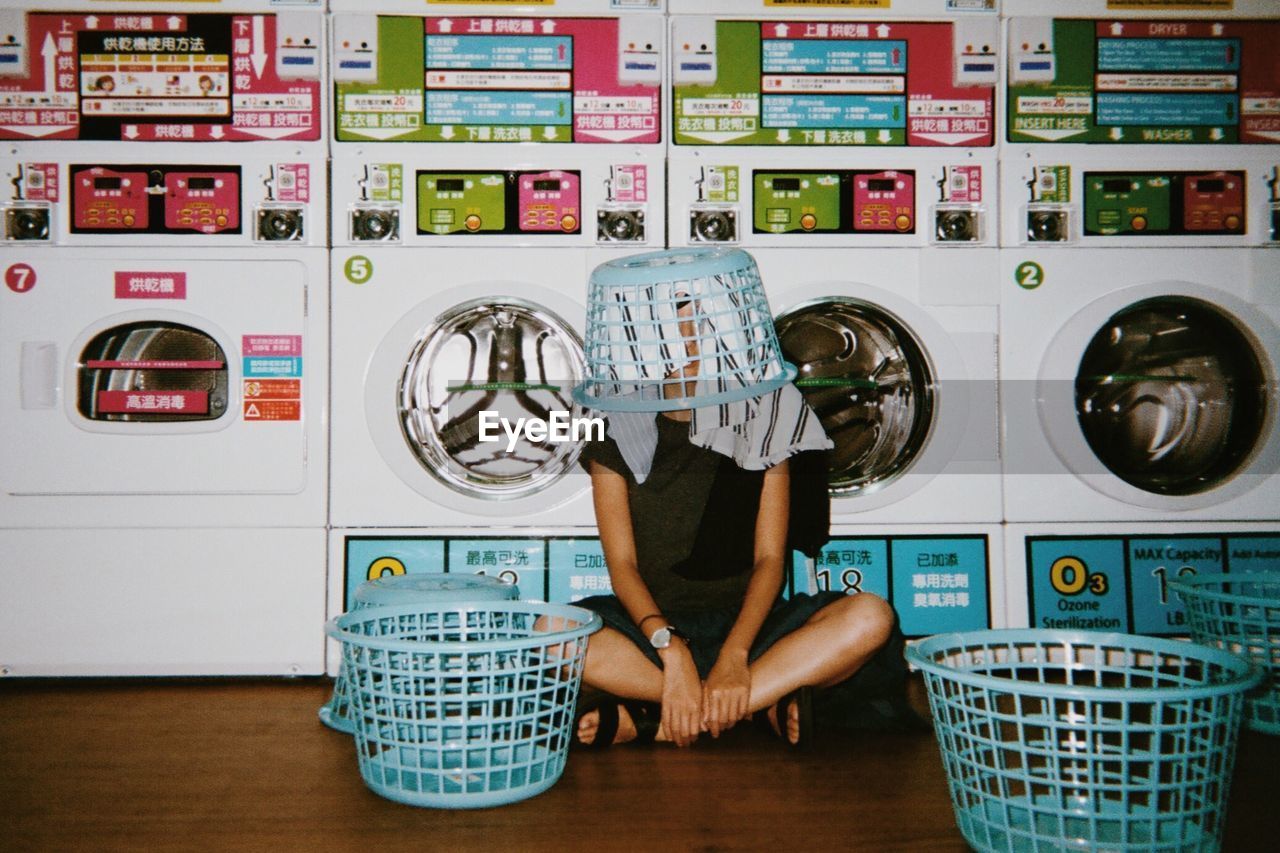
<point>691,706</point>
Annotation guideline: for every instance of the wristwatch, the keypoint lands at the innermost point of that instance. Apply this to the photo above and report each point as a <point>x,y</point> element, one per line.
<point>661,638</point>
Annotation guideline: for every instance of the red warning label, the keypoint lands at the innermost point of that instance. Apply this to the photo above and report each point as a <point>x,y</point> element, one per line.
<point>273,410</point>
<point>273,389</point>
<point>272,399</point>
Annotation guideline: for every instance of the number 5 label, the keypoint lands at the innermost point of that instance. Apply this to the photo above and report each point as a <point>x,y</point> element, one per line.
<point>358,269</point>
<point>1029,275</point>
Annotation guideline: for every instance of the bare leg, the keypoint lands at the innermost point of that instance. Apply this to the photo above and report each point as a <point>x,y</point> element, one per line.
<point>616,666</point>
<point>834,644</point>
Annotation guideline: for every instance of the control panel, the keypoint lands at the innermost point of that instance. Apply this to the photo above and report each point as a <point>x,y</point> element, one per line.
<point>545,202</point>
<point>835,201</point>
<point>159,199</point>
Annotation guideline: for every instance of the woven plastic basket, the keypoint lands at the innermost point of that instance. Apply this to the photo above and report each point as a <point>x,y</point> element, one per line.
<point>463,706</point>
<point>417,588</point>
<point>1241,613</point>
<point>1057,740</point>
<point>679,328</point>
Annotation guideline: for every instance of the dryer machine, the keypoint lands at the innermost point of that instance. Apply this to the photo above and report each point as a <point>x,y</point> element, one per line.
<point>163,385</point>
<point>162,461</point>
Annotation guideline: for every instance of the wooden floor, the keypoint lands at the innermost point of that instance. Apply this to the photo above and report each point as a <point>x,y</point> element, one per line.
<point>244,765</point>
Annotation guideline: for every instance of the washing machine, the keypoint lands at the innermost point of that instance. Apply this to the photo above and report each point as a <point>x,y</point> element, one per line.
<point>460,272</point>
<point>1139,396</point>
<point>1138,386</point>
<point>165,326</point>
<point>852,152</point>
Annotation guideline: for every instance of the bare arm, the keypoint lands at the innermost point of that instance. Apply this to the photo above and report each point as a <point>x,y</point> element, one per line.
<point>681,694</point>
<point>728,688</point>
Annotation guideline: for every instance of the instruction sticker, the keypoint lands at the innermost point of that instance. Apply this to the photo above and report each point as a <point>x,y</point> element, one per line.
<point>576,570</point>
<point>1144,81</point>
<point>936,584</point>
<point>163,78</point>
<point>825,83</point>
<point>495,79</point>
<point>371,558</point>
<point>519,561</point>
<point>1122,583</point>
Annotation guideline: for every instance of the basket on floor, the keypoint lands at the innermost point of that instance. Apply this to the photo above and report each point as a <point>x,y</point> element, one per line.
<point>417,588</point>
<point>466,705</point>
<point>1056,740</point>
<point>1241,613</point>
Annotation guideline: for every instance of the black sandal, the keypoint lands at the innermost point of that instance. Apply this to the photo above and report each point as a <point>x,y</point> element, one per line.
<point>803,699</point>
<point>645,716</point>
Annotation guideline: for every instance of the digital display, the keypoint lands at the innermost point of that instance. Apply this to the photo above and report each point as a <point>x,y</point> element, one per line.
<point>202,183</point>
<point>450,185</point>
<point>1117,185</point>
<point>1211,185</point>
<point>106,183</point>
<point>881,185</point>
<point>786,184</point>
<point>546,185</point>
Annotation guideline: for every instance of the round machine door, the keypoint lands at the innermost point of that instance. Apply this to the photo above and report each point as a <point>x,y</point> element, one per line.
<point>480,370</point>
<point>152,371</point>
<point>866,375</point>
<point>1171,396</point>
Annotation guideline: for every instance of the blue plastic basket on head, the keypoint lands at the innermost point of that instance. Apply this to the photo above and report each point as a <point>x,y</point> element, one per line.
<point>1241,613</point>
<point>1056,740</point>
<point>419,588</point>
<point>466,705</point>
<point>679,329</point>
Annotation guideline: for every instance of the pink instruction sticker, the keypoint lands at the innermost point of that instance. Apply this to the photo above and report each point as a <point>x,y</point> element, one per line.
<point>630,183</point>
<point>151,285</point>
<point>290,345</point>
<point>293,182</point>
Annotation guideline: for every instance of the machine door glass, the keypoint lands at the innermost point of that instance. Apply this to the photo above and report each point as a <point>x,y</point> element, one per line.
<point>152,372</point>
<point>1171,396</point>
<point>511,362</point>
<point>867,377</point>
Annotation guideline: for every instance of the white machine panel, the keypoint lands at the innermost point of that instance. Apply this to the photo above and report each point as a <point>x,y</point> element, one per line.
<point>162,601</point>
<point>163,389</point>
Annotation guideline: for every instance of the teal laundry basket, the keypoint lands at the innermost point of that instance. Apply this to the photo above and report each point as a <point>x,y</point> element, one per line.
<point>679,329</point>
<point>1057,740</point>
<point>1241,613</point>
<point>466,705</point>
<point>416,588</point>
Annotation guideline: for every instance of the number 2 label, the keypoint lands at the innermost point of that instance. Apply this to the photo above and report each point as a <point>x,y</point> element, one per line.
<point>1029,275</point>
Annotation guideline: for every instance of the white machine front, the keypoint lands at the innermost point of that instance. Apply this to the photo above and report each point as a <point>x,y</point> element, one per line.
<point>896,352</point>
<point>163,387</point>
<point>1140,383</point>
<point>164,462</point>
<point>425,344</point>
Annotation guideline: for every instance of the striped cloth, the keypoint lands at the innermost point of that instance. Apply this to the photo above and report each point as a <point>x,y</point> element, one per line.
<point>757,433</point>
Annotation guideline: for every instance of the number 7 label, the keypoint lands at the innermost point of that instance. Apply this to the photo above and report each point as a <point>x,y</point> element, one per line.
<point>20,278</point>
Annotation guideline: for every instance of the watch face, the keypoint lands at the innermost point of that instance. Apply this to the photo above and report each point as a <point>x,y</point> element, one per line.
<point>661,638</point>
